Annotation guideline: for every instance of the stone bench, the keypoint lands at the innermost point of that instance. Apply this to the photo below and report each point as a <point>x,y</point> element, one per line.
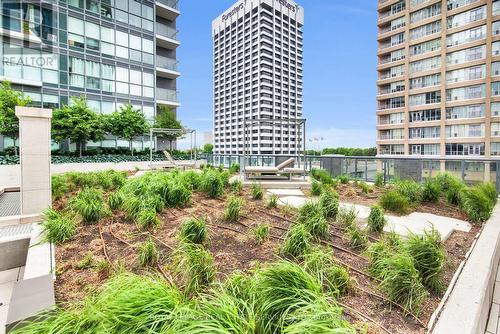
<point>33,291</point>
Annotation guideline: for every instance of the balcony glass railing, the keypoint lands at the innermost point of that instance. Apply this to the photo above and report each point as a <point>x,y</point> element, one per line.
<point>166,31</point>
<point>166,95</point>
<point>167,63</point>
<point>170,3</point>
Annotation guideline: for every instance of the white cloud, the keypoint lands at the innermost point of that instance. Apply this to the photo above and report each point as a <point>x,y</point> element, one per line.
<point>335,137</point>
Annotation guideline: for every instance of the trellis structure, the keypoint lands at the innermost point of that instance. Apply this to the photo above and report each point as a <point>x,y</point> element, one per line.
<point>299,123</point>
<point>181,132</point>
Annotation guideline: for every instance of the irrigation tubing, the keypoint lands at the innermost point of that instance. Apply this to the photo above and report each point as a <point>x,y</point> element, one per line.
<point>364,316</point>
<point>104,246</point>
<point>376,295</point>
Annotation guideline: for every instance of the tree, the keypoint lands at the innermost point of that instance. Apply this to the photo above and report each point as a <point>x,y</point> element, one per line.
<point>208,148</point>
<point>9,99</point>
<point>165,119</point>
<point>128,123</point>
<point>78,123</point>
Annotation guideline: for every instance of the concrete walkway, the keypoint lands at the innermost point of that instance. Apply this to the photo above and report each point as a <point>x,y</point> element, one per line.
<point>493,319</point>
<point>416,222</point>
<point>8,279</point>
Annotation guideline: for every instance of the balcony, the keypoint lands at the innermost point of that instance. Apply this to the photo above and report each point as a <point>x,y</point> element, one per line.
<point>167,67</point>
<point>168,9</point>
<point>166,36</point>
<point>167,97</point>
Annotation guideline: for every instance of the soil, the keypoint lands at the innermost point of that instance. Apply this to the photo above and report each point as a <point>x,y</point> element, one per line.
<point>234,248</point>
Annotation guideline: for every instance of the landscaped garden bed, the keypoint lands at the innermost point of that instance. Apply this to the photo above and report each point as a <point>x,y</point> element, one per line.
<point>187,252</point>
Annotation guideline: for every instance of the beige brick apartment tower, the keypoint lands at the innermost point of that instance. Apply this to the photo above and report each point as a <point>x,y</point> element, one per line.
<point>438,78</point>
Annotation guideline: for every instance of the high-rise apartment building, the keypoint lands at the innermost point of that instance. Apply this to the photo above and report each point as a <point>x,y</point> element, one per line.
<point>258,75</point>
<point>110,51</point>
<point>439,78</point>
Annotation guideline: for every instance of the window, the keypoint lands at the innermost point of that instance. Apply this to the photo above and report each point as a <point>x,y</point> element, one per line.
<point>466,36</point>
<point>425,47</point>
<point>425,64</point>
<point>425,30</point>
<point>425,13</point>
<point>471,111</point>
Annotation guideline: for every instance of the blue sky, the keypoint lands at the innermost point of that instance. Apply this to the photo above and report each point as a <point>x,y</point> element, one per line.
<point>339,68</point>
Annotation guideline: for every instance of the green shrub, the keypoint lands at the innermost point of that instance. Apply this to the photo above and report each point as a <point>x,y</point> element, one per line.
<point>212,183</point>
<point>317,225</point>
<point>272,202</point>
<point>232,212</point>
<point>132,205</point>
<point>379,180</point>
<point>283,288</point>
<point>89,203</point>
<point>87,262</point>
<point>329,204</point>
<point>59,186</point>
<point>410,189</point>
<point>451,186</point>
<point>376,219</point>
<point>127,303</point>
<point>395,201</point>
<point>320,263</point>
<point>237,186</point>
<point>191,179</point>
<point>257,192</point>
<point>297,241</point>
<point>147,218</point>
<point>489,190</point>
<point>316,188</point>
<point>261,233</point>
<point>358,239</point>
<point>308,210</point>
<point>476,204</point>
<point>194,230</point>
<point>347,217</point>
<point>365,187</point>
<point>235,168</point>
<point>320,316</point>
<point>115,200</point>
<point>57,227</point>
<point>344,178</point>
<point>401,281</point>
<point>431,191</point>
<point>429,257</point>
<point>154,202</point>
<point>178,194</point>
<point>149,255</point>
<point>194,265</point>
<point>322,176</point>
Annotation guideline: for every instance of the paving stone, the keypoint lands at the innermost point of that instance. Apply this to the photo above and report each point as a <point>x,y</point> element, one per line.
<point>3,318</point>
<point>496,294</point>
<point>294,201</point>
<point>493,319</point>
<point>363,211</point>
<point>285,192</point>
<point>6,292</point>
<point>10,275</point>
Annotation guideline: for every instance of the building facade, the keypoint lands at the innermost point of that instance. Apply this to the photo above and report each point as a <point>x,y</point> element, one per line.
<point>257,47</point>
<point>112,52</point>
<point>439,78</point>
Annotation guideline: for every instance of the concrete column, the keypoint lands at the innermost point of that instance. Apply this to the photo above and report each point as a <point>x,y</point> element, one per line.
<point>442,166</point>
<point>487,171</point>
<point>34,151</point>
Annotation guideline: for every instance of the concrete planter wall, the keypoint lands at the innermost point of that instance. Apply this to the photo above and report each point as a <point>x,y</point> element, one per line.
<point>468,305</point>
